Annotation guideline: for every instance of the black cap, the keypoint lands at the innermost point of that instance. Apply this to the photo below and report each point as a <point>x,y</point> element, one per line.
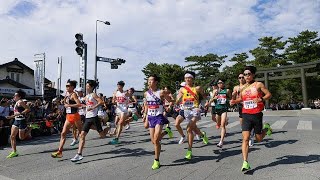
<point>121,83</point>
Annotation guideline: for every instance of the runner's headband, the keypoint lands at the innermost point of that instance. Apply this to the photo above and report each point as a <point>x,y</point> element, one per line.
<point>188,75</point>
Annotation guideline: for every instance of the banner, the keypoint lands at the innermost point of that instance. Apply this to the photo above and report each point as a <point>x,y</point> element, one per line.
<point>4,90</point>
<point>38,77</point>
<point>82,72</point>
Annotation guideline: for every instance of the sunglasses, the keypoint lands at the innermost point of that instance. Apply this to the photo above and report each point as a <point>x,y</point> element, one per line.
<point>247,74</point>
<point>241,77</point>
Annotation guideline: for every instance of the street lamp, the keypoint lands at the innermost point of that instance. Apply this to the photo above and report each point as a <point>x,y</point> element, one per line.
<point>95,57</point>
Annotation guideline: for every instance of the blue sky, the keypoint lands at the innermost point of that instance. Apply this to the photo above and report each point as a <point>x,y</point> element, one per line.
<point>144,31</point>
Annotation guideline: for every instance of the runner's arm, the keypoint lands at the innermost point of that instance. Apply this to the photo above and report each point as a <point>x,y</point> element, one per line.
<point>26,108</point>
<point>100,102</point>
<point>267,94</point>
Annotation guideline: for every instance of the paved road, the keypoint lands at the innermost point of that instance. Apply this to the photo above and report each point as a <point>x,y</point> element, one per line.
<point>292,152</point>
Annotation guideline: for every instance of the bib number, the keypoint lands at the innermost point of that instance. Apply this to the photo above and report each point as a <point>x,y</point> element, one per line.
<point>188,104</point>
<point>68,110</point>
<point>249,104</point>
<point>222,101</point>
<point>152,112</point>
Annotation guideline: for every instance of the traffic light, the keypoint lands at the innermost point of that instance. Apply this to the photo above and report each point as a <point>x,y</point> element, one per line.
<point>114,66</point>
<point>121,61</point>
<point>79,43</point>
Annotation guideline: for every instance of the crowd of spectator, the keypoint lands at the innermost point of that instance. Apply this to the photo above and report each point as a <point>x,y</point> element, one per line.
<point>47,117</point>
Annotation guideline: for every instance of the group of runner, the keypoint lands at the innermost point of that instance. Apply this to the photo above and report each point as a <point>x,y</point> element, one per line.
<point>249,95</point>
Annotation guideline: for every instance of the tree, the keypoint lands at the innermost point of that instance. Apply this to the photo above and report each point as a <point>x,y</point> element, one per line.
<point>168,73</point>
<point>206,67</point>
<point>269,52</point>
<point>230,73</point>
<point>303,48</point>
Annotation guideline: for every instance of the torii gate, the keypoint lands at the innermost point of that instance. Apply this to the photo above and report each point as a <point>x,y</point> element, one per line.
<point>283,69</point>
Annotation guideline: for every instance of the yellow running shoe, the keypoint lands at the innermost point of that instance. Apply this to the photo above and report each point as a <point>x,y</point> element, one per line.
<point>245,166</point>
<point>156,165</point>
<point>57,154</point>
<point>168,130</point>
<point>13,154</point>
<point>188,154</point>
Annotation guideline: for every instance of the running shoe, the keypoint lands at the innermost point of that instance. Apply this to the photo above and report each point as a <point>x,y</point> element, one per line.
<point>74,142</point>
<point>156,165</point>
<point>127,127</point>
<point>13,154</point>
<point>57,154</point>
<point>114,141</point>
<point>34,126</point>
<point>251,142</point>
<point>245,166</point>
<point>269,130</point>
<point>205,138</point>
<point>168,130</point>
<point>220,144</point>
<point>76,158</point>
<point>188,154</point>
<point>182,139</point>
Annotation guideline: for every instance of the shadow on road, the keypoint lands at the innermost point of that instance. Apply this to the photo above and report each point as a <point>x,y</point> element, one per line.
<point>289,159</point>
<point>272,144</point>
<point>224,154</point>
<point>122,152</point>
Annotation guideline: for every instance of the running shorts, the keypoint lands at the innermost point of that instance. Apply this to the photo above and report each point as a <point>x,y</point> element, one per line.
<point>92,121</point>
<point>252,121</point>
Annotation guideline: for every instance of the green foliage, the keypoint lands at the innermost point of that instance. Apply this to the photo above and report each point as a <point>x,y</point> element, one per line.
<point>304,48</point>
<point>271,52</point>
<point>206,67</point>
<point>268,53</point>
<point>169,74</point>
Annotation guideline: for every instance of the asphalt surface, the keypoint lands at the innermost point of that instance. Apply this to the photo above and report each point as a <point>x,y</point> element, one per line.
<point>292,152</point>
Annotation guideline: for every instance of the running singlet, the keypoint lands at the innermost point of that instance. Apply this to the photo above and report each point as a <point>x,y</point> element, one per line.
<point>71,110</point>
<point>248,94</point>
<point>131,102</point>
<point>155,106</point>
<point>222,101</point>
<point>211,96</point>
<point>81,111</point>
<point>122,99</point>
<point>19,109</point>
<point>188,100</point>
<point>91,102</point>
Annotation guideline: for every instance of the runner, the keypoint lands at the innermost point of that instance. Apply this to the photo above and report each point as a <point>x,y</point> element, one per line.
<point>212,104</point>
<point>153,113</point>
<point>236,94</point>
<point>252,95</point>
<point>133,113</point>
<point>71,103</point>
<point>121,98</point>
<point>20,123</point>
<point>221,99</point>
<point>82,114</point>
<point>180,118</point>
<point>92,121</point>
<point>190,100</point>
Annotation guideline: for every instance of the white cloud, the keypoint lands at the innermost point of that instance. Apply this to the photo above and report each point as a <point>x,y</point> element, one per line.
<point>144,31</point>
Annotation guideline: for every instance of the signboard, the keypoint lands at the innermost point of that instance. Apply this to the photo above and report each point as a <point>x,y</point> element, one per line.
<point>39,77</point>
<point>29,92</point>
<point>82,72</point>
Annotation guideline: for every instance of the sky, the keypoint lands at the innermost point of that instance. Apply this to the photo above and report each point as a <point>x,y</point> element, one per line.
<point>143,31</point>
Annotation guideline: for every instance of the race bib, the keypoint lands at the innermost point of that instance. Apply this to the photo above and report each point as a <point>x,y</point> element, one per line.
<point>221,101</point>
<point>249,104</point>
<point>68,110</point>
<point>81,112</point>
<point>153,112</point>
<point>188,103</point>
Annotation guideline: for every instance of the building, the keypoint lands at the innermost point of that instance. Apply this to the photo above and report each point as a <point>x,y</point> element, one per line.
<point>15,75</point>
